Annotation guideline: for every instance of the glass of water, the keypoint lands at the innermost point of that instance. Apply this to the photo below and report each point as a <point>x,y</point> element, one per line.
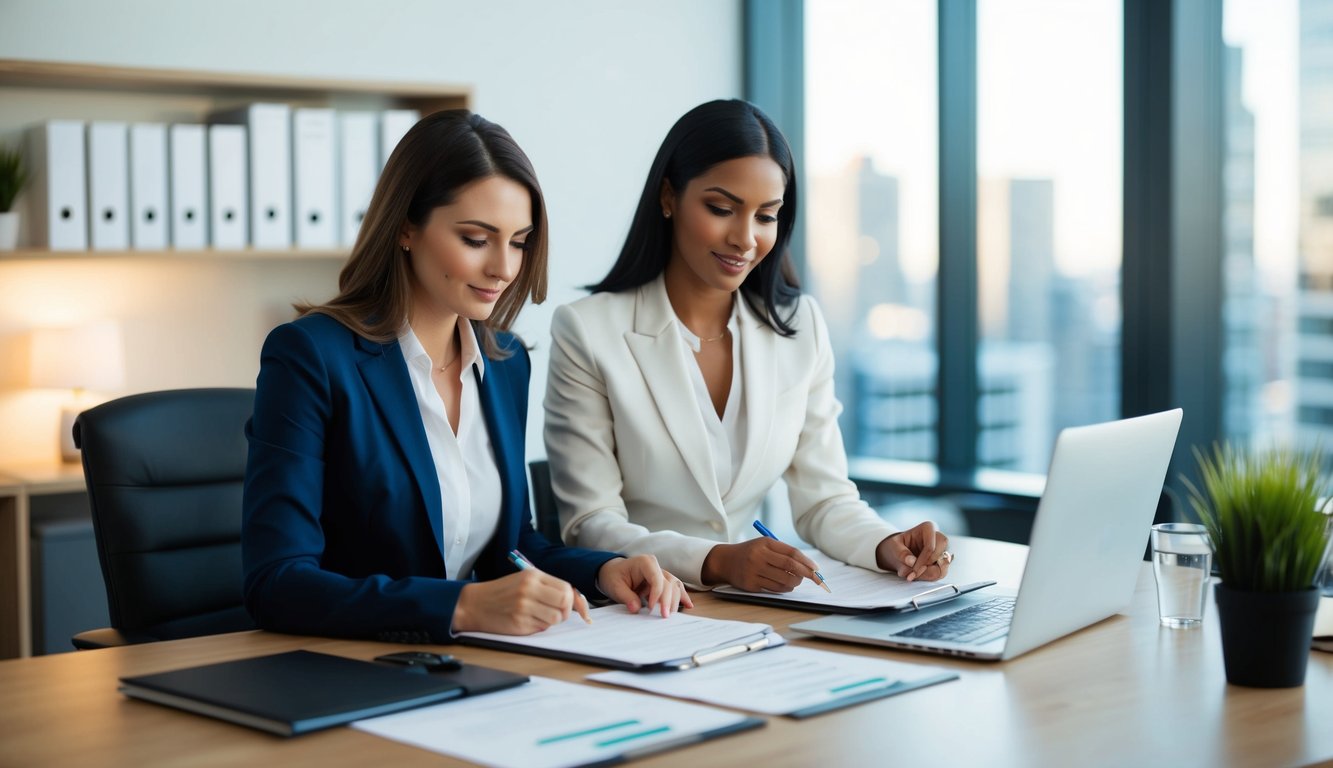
<point>1182,561</point>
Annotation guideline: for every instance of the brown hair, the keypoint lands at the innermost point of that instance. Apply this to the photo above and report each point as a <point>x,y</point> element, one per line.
<point>440,155</point>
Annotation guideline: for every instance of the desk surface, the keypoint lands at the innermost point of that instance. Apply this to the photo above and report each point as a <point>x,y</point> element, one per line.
<point>1121,692</point>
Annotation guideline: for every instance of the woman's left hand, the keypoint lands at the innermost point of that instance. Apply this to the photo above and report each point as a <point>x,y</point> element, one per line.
<point>920,552</point>
<point>638,581</point>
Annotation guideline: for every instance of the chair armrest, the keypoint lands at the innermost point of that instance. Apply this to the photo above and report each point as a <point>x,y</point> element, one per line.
<point>107,637</point>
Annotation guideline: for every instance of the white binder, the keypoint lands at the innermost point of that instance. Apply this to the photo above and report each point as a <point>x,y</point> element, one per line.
<point>359,169</point>
<point>270,166</point>
<point>189,194</point>
<point>148,186</point>
<point>315,194</point>
<point>394,124</point>
<point>108,186</point>
<point>60,200</point>
<point>228,217</point>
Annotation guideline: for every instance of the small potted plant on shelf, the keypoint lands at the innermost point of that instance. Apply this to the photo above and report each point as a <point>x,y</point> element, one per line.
<point>13,175</point>
<point>1265,514</point>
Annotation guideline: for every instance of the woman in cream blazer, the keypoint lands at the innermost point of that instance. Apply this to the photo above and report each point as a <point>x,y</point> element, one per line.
<point>697,374</point>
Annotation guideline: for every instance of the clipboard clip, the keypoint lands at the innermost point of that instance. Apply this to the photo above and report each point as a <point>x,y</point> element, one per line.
<point>917,602</point>
<point>725,652</point>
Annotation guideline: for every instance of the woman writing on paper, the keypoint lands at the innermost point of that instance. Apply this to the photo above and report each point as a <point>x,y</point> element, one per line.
<point>386,480</point>
<point>697,374</point>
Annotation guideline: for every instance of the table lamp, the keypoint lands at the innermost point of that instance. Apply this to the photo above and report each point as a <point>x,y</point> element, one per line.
<point>84,358</point>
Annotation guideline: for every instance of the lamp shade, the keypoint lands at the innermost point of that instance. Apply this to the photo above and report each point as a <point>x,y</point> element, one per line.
<point>90,356</point>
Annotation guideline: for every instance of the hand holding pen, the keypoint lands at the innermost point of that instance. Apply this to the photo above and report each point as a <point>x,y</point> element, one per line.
<point>522,603</point>
<point>760,565</point>
<point>818,577</point>
<point>580,602</point>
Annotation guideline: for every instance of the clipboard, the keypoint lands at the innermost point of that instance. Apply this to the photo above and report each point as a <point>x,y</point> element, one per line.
<point>795,681</point>
<point>748,644</point>
<point>810,600</point>
<point>642,643</point>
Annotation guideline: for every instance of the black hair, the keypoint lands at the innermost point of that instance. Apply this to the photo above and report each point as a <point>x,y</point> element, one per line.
<point>709,134</point>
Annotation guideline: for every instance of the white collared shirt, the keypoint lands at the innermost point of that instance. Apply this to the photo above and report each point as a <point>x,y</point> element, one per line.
<point>726,435</point>
<point>470,492</point>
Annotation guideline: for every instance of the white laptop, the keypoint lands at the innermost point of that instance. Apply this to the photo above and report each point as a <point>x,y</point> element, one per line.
<point>1084,559</point>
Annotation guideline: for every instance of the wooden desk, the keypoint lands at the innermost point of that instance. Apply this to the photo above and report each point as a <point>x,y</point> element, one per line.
<point>1123,692</point>
<point>18,484</point>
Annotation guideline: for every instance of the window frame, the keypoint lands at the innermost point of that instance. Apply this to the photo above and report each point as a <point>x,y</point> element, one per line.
<point>1173,237</point>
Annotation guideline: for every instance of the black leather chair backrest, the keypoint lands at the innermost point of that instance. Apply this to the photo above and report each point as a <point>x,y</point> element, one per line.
<point>543,500</point>
<point>165,472</point>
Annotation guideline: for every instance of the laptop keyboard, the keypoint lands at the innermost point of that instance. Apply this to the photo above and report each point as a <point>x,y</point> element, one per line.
<point>977,623</point>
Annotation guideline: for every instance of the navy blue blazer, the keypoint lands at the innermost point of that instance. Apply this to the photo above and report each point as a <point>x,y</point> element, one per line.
<point>341,529</point>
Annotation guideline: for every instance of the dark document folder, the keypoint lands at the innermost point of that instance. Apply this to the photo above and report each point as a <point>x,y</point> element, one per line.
<point>301,691</point>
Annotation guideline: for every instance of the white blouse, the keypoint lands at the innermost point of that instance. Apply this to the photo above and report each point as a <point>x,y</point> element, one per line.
<point>726,435</point>
<point>470,492</point>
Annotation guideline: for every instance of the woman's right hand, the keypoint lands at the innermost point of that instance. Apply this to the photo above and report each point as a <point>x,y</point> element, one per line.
<point>758,565</point>
<point>518,604</point>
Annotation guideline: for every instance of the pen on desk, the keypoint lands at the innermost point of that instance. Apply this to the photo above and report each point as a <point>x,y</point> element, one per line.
<point>580,602</point>
<point>819,577</point>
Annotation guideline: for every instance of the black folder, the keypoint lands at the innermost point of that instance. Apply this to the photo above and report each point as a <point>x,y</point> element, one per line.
<point>301,691</point>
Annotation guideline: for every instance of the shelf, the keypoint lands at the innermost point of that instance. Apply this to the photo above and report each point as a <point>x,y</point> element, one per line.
<point>311,254</point>
<point>426,97</point>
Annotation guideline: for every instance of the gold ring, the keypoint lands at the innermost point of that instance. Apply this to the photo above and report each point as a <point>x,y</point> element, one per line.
<point>946,557</point>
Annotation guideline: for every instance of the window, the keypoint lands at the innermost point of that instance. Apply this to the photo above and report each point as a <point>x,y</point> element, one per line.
<point>1049,167</point>
<point>1278,267</point>
<point>872,214</point>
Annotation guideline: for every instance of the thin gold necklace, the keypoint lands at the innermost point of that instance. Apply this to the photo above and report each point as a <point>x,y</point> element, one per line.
<point>445,367</point>
<point>718,337</point>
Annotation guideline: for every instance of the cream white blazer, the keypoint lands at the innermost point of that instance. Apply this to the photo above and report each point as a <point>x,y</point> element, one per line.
<point>629,455</point>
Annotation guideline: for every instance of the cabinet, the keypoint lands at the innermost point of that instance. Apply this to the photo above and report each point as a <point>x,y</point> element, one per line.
<point>18,486</point>
<point>33,91</point>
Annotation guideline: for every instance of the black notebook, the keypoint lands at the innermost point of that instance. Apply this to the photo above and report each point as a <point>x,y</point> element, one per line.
<point>301,691</point>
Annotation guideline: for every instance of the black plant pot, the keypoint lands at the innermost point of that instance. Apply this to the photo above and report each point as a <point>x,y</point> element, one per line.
<point>1266,635</point>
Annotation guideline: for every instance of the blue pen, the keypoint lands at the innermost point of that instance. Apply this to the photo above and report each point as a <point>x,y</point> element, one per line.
<point>580,602</point>
<point>819,577</point>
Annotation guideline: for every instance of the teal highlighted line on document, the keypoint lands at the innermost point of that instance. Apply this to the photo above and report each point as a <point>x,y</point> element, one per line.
<point>633,736</point>
<point>587,732</point>
<point>860,684</point>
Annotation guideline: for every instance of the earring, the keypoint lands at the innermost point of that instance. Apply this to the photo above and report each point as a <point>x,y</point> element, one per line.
<point>666,214</point>
<point>406,249</point>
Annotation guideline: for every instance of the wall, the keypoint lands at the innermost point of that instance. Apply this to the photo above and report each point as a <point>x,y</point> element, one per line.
<point>588,88</point>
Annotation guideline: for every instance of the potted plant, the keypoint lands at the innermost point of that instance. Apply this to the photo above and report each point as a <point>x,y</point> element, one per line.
<point>13,175</point>
<point>1264,514</point>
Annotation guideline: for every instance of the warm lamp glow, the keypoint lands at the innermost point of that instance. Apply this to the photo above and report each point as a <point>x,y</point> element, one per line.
<point>90,357</point>
<point>86,357</point>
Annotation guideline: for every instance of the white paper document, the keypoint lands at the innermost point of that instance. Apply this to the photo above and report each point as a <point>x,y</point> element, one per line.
<point>858,589</point>
<point>784,681</point>
<point>553,724</point>
<point>619,638</point>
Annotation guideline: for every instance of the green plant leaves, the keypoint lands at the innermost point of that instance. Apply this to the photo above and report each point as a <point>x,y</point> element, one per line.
<point>1264,514</point>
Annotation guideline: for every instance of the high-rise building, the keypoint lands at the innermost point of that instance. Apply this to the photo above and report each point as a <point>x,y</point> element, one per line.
<point>1314,345</point>
<point>1031,259</point>
<point>1242,306</point>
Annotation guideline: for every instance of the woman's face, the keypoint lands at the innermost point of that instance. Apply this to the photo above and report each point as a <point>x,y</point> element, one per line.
<point>725,221</point>
<point>466,253</point>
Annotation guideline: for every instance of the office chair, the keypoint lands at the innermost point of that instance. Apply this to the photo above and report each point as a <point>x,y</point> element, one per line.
<point>165,472</point>
<point>543,500</point>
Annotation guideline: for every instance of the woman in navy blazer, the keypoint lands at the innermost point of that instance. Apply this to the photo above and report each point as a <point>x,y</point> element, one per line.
<point>385,486</point>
